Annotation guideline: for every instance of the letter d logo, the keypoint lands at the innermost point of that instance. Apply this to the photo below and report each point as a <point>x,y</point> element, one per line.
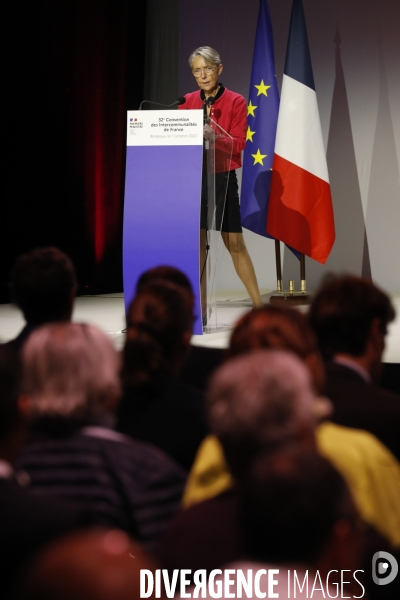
<point>386,560</point>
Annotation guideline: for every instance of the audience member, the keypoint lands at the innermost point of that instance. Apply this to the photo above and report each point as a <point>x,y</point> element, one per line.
<point>26,523</point>
<point>350,317</point>
<point>296,513</point>
<point>279,328</point>
<point>43,285</point>
<point>156,406</point>
<point>95,565</point>
<point>167,273</point>
<point>272,327</point>
<point>260,402</point>
<point>201,361</point>
<point>256,402</point>
<point>71,380</point>
<point>372,473</point>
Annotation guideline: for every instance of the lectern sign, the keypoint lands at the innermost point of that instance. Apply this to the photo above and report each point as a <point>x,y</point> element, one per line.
<point>165,128</point>
<point>162,195</point>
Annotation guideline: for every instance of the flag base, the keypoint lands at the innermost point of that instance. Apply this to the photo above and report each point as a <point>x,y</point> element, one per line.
<point>291,298</point>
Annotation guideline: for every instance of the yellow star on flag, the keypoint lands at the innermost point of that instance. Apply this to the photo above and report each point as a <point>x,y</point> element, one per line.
<point>262,88</point>
<point>249,134</point>
<point>258,158</point>
<point>251,109</point>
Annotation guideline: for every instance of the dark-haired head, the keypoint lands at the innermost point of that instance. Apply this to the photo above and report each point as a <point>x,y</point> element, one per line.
<point>43,285</point>
<point>164,273</point>
<point>343,312</point>
<point>278,328</point>
<point>160,320</point>
<point>291,501</point>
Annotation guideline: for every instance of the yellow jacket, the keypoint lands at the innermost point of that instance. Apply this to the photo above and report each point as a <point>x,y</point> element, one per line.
<point>369,468</point>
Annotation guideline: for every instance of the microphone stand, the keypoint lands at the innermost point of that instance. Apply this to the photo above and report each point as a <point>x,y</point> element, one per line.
<point>204,186</point>
<point>205,200</point>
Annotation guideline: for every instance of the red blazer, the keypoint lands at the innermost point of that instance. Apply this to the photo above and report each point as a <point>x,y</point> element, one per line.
<point>230,112</point>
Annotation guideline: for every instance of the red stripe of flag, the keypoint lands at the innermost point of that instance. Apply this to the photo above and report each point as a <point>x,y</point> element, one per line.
<point>301,214</point>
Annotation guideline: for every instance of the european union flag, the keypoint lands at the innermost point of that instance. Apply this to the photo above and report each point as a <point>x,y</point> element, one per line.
<point>262,116</point>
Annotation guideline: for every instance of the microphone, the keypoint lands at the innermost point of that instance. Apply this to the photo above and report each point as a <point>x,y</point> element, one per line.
<point>179,101</point>
<point>209,101</point>
<point>206,104</point>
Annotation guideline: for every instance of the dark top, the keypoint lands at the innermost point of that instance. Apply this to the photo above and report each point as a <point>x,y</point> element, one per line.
<point>364,406</point>
<point>200,365</point>
<point>27,524</point>
<point>208,536</point>
<point>390,379</point>
<point>205,536</point>
<point>133,486</point>
<point>170,416</point>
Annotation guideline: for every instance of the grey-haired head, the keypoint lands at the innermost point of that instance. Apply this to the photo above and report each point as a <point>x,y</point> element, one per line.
<point>210,55</point>
<point>260,402</point>
<point>71,372</point>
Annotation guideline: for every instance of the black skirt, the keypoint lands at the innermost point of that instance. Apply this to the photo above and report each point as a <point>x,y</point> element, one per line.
<point>231,221</point>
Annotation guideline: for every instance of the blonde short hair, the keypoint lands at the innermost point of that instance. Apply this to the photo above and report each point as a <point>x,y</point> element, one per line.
<point>71,371</point>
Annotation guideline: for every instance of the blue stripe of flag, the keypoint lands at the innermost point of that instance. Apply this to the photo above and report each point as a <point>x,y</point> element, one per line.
<point>298,59</point>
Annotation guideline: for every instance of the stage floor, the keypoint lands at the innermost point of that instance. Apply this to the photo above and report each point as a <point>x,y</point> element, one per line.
<point>107,311</point>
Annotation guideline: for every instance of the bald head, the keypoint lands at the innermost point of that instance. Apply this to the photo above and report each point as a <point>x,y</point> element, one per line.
<point>93,565</point>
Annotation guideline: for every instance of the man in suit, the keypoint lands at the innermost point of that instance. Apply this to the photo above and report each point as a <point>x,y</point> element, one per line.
<point>350,316</point>
<point>27,523</point>
<point>43,285</point>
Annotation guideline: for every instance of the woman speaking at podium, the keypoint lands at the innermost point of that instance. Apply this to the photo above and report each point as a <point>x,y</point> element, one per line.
<point>229,111</point>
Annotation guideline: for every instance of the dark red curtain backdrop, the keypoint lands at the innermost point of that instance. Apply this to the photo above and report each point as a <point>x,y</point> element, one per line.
<point>73,68</point>
<point>98,117</point>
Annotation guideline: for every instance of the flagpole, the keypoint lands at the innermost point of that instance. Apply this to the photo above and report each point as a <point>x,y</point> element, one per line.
<point>278,266</point>
<point>303,287</point>
<point>290,296</point>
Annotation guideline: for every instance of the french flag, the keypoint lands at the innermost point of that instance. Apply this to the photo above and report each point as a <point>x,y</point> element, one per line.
<point>300,205</point>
